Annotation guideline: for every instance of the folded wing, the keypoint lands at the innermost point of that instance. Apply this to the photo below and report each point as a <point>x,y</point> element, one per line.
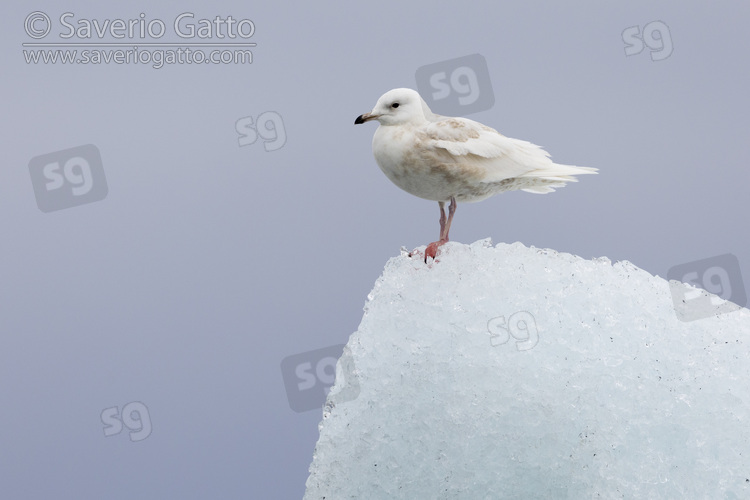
<point>464,141</point>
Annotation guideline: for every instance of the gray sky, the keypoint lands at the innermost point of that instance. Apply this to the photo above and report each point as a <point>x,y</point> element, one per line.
<point>191,266</point>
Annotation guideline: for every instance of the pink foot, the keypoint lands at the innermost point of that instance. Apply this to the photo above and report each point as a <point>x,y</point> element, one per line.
<point>445,226</point>
<point>432,249</point>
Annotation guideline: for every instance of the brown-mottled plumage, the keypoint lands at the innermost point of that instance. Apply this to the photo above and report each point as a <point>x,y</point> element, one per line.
<point>455,159</point>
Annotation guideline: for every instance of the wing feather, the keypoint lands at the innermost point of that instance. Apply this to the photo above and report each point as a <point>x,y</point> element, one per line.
<point>472,144</point>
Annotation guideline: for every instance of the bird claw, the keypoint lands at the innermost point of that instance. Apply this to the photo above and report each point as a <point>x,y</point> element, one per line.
<point>430,251</point>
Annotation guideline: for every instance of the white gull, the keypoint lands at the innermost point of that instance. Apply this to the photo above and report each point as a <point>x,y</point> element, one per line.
<point>445,159</point>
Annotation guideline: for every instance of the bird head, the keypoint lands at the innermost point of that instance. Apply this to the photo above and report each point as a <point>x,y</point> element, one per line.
<point>397,107</point>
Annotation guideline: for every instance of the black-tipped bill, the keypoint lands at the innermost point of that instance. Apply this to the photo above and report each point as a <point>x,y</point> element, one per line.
<point>365,118</point>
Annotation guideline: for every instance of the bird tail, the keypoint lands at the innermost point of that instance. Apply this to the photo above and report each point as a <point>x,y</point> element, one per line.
<point>556,176</point>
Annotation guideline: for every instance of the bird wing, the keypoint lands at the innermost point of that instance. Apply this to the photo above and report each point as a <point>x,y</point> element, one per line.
<point>472,144</point>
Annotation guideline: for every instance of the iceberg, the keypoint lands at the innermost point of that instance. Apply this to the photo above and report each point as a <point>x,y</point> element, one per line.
<point>514,372</point>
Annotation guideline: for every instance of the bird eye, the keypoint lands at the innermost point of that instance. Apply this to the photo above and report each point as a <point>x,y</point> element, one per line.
<point>394,105</point>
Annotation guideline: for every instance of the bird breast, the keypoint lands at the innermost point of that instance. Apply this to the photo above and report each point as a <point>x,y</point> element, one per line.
<point>429,173</point>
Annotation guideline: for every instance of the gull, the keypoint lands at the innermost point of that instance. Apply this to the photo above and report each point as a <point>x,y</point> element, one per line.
<point>449,159</point>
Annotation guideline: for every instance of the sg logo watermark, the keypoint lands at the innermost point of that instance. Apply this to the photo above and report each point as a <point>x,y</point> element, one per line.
<point>309,376</point>
<point>134,416</point>
<point>718,275</point>
<point>269,126</point>
<point>68,178</point>
<point>655,36</point>
<point>456,87</point>
<point>521,326</point>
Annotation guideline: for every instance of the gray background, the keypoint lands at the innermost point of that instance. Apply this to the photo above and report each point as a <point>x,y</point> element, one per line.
<point>208,263</point>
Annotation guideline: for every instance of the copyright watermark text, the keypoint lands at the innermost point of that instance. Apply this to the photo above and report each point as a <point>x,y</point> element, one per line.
<point>183,39</point>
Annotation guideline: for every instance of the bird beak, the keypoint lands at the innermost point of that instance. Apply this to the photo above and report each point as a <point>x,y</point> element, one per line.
<point>365,118</point>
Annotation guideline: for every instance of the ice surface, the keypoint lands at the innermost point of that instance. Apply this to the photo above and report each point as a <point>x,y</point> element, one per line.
<point>515,372</point>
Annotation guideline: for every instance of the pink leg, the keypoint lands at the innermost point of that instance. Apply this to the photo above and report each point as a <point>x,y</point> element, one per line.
<point>451,211</point>
<point>443,219</point>
<point>445,227</point>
